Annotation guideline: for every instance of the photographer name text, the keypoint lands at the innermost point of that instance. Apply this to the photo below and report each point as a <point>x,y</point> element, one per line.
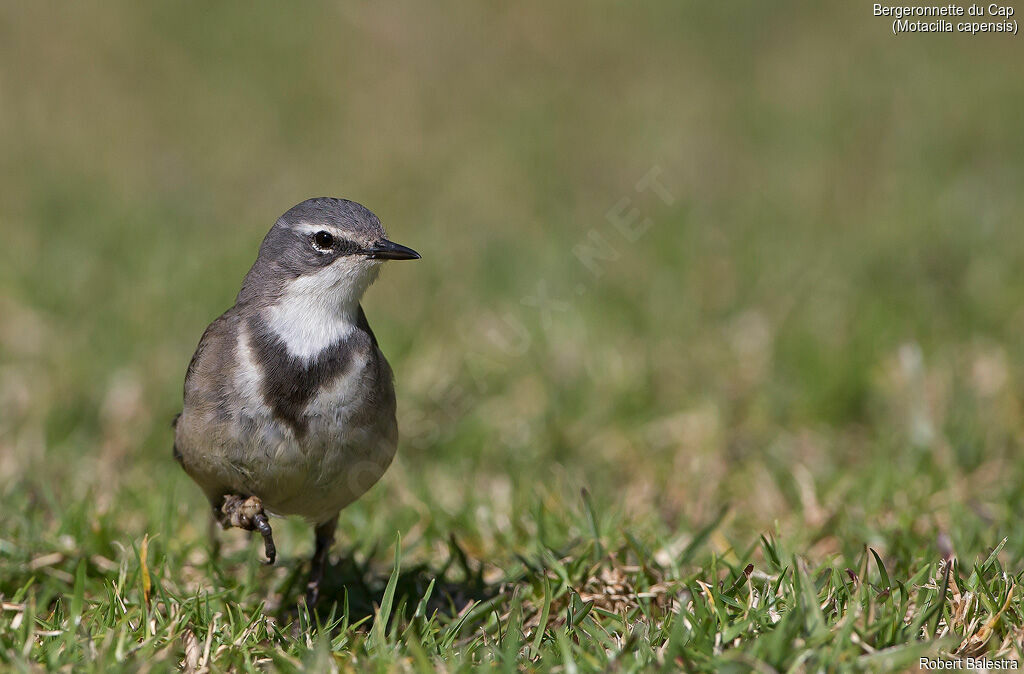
<point>981,664</point>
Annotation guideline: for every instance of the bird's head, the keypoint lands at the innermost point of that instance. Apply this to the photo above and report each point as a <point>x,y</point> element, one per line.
<point>325,250</point>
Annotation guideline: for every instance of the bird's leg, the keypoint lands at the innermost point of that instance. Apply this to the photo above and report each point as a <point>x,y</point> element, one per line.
<point>248,514</point>
<point>324,539</point>
<point>213,533</point>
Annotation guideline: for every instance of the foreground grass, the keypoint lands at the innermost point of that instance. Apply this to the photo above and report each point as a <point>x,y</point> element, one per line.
<point>596,597</point>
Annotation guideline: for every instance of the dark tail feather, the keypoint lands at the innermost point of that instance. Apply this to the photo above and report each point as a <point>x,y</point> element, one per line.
<point>174,426</point>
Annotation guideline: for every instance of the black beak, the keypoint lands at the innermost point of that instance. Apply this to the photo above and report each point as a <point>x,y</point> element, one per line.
<point>389,250</point>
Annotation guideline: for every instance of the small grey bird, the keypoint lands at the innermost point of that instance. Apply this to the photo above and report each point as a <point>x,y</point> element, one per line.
<point>289,403</point>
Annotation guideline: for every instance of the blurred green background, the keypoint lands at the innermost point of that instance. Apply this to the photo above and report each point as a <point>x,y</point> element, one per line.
<point>821,331</point>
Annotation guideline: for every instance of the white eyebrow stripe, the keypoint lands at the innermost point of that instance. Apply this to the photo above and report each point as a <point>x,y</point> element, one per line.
<point>309,228</point>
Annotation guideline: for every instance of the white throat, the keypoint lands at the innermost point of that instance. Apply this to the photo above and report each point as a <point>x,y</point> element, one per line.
<point>317,310</point>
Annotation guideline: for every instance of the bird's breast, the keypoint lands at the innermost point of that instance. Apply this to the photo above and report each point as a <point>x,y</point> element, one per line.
<point>295,388</point>
<point>324,446</point>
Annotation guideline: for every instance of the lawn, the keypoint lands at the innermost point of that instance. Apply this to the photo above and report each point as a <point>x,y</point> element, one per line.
<point>713,360</point>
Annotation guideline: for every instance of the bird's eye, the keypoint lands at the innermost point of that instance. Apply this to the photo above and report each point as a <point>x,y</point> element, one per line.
<point>323,240</point>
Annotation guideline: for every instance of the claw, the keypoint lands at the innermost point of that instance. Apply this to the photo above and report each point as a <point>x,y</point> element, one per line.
<point>263,526</point>
<point>248,514</point>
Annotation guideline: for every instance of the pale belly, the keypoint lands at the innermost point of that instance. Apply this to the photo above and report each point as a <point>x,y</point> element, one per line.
<point>316,476</point>
<point>348,442</point>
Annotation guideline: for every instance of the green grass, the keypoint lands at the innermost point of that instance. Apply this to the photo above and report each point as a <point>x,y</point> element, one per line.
<point>778,430</point>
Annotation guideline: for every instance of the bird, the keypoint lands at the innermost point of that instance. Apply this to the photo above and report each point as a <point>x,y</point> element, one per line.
<point>289,403</point>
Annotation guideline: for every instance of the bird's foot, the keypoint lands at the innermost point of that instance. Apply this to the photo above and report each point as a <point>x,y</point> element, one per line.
<point>248,514</point>
<point>313,594</point>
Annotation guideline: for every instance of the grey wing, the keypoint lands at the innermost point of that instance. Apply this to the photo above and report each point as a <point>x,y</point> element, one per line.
<point>204,421</point>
